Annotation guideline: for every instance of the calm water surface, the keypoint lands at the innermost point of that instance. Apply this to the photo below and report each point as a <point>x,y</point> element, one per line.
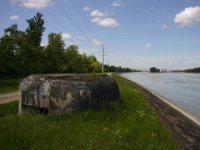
<point>181,88</point>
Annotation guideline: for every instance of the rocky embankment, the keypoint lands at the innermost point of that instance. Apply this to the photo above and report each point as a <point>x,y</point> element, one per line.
<point>184,127</point>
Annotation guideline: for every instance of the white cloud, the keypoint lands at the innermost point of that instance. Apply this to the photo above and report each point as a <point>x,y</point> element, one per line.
<point>105,22</point>
<point>148,45</point>
<point>14,17</point>
<point>87,8</point>
<point>97,13</point>
<point>81,37</point>
<point>44,43</point>
<point>96,42</point>
<point>100,18</point>
<point>35,4</point>
<point>118,3</point>
<point>96,19</point>
<point>66,36</point>
<point>164,26</point>
<point>193,61</point>
<point>188,16</point>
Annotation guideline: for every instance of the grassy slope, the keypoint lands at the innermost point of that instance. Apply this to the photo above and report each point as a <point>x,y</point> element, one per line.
<point>130,125</point>
<point>8,85</point>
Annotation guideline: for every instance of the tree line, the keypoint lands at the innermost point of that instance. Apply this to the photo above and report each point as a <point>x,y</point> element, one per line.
<point>154,69</point>
<point>194,70</point>
<point>21,53</point>
<point>113,68</point>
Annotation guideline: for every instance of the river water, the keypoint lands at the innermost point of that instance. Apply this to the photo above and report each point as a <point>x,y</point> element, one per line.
<point>183,89</point>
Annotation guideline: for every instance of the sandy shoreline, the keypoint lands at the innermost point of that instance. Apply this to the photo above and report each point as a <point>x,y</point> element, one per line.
<point>184,126</point>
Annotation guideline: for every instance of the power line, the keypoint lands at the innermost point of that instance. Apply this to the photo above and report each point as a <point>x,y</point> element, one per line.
<point>53,27</point>
<point>85,16</point>
<point>81,16</point>
<point>51,15</point>
<point>103,60</point>
<point>108,65</point>
<point>73,22</point>
<point>58,22</point>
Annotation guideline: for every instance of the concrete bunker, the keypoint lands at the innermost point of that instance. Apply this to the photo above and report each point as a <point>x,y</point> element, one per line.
<point>46,93</point>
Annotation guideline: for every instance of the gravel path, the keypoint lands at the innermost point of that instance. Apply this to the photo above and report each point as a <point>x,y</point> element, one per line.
<point>9,97</point>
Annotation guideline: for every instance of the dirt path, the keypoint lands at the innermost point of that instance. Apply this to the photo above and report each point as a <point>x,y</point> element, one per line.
<point>9,97</point>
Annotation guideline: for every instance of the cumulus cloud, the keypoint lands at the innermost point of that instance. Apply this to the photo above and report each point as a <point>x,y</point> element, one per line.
<point>108,22</point>
<point>105,22</point>
<point>188,16</point>
<point>97,13</point>
<point>66,36</point>
<point>164,26</point>
<point>96,19</point>
<point>14,17</point>
<point>148,45</point>
<point>35,4</point>
<point>96,42</point>
<point>102,19</point>
<point>87,8</point>
<point>81,37</point>
<point>118,3</point>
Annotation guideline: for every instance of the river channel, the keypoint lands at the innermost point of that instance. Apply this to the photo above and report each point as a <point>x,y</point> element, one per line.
<point>183,89</point>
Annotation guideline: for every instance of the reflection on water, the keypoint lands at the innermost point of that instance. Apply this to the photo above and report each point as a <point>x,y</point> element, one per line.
<point>181,88</point>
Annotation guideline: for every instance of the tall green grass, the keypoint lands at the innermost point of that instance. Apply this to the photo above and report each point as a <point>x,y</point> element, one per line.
<point>9,109</point>
<point>8,85</point>
<point>131,124</point>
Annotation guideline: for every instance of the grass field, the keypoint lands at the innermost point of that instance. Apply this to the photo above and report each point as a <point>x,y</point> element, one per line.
<point>132,124</point>
<point>8,85</point>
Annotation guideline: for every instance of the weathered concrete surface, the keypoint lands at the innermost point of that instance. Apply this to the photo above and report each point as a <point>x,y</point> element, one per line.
<point>67,92</point>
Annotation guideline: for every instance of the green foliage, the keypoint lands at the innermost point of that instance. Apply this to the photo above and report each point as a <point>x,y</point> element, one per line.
<point>72,58</point>
<point>54,52</point>
<point>35,29</point>
<point>9,50</point>
<point>154,69</point>
<point>94,66</point>
<point>131,124</point>
<point>194,70</point>
<point>117,69</point>
<point>80,63</point>
<point>21,53</point>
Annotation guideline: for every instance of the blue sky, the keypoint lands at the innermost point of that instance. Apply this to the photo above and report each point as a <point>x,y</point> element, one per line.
<point>136,33</point>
